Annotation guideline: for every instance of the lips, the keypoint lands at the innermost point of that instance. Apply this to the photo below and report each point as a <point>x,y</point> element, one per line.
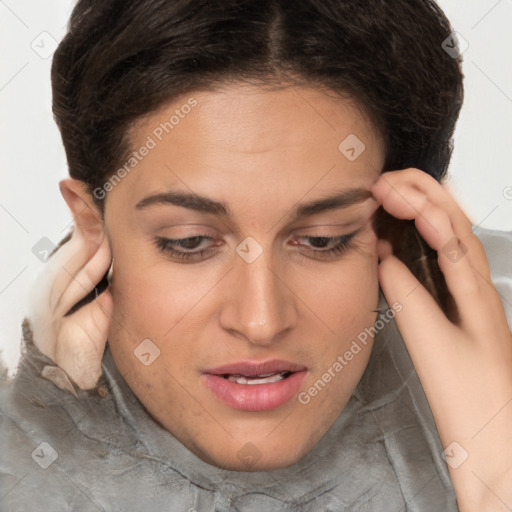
<point>256,369</point>
<point>255,386</point>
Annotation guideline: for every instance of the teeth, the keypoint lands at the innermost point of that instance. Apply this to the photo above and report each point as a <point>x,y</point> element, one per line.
<point>261,379</point>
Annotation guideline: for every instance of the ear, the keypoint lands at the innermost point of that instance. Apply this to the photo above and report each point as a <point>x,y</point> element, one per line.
<point>86,215</point>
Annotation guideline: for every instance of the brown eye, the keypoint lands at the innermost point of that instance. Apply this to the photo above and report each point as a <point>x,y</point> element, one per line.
<point>189,243</point>
<point>185,249</point>
<point>322,246</point>
<point>320,241</point>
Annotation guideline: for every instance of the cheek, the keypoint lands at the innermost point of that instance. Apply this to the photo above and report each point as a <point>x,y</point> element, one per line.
<point>345,305</point>
<point>154,298</point>
<point>345,293</point>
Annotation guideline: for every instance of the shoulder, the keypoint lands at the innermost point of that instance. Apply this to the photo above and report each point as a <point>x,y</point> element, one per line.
<point>47,434</point>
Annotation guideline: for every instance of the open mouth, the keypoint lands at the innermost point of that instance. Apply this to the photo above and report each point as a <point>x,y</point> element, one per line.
<point>267,378</point>
<point>255,385</point>
<point>257,392</point>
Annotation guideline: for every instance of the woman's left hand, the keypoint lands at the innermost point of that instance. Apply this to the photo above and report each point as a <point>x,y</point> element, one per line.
<point>466,367</point>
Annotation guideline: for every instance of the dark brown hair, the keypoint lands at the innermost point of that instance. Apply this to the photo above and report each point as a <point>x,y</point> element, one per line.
<point>122,59</point>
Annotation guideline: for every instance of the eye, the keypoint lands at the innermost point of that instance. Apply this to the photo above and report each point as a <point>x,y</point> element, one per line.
<point>189,247</point>
<point>323,246</point>
<point>196,248</point>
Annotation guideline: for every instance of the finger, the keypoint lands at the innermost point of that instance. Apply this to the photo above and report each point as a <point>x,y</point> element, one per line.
<point>465,282</point>
<point>47,289</point>
<point>421,322</point>
<point>85,279</point>
<point>403,193</point>
<point>425,185</point>
<point>435,227</point>
<point>82,341</point>
<point>432,220</point>
<point>65,264</point>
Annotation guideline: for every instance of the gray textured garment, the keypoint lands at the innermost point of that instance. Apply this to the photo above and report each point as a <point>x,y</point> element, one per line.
<point>382,454</point>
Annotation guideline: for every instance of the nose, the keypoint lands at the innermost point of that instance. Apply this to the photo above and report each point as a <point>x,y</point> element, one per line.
<point>258,305</point>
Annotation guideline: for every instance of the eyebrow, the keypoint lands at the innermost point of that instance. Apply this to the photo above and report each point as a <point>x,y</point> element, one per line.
<point>334,201</point>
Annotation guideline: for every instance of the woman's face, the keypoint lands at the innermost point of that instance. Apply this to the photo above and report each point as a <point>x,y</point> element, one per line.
<point>269,269</point>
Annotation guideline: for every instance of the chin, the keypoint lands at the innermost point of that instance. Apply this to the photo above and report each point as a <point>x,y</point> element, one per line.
<point>234,464</point>
<point>250,458</point>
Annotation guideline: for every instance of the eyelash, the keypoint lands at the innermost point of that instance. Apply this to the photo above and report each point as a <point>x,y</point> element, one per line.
<point>167,245</point>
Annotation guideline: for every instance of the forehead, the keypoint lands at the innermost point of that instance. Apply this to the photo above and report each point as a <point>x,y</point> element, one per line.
<point>242,135</point>
<point>253,119</point>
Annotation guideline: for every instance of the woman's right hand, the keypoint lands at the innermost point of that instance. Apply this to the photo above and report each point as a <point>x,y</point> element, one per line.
<point>75,342</point>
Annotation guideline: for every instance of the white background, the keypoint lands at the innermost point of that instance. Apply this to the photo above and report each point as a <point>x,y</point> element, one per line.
<point>33,161</point>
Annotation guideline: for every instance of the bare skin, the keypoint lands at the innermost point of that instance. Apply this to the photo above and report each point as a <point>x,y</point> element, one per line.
<point>262,153</point>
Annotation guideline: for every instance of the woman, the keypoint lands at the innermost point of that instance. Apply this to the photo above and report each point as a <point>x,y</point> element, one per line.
<point>262,183</point>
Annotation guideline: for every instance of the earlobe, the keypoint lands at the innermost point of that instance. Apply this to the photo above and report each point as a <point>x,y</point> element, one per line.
<point>86,215</point>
